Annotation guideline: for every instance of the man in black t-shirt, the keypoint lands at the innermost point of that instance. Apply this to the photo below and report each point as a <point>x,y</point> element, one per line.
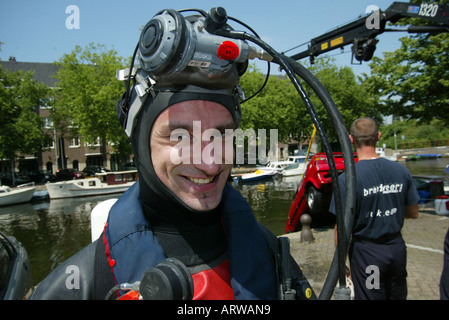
<point>386,194</point>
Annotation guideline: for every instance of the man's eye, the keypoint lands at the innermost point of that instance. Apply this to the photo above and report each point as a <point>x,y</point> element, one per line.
<point>179,135</point>
<point>227,133</point>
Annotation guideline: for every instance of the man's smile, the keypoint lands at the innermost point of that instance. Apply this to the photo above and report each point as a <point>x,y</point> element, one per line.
<point>200,181</point>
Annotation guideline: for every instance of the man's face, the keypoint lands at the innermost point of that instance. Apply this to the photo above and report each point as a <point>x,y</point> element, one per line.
<point>198,180</point>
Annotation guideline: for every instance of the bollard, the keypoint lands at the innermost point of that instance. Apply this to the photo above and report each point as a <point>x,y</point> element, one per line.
<point>306,232</point>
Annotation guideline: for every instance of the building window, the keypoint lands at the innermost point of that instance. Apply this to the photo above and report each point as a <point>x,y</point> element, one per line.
<point>49,144</point>
<point>97,143</point>
<point>76,165</point>
<point>45,103</point>
<point>48,123</point>
<point>74,142</point>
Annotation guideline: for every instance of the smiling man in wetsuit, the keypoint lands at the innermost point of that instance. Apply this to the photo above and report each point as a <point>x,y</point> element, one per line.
<point>182,206</point>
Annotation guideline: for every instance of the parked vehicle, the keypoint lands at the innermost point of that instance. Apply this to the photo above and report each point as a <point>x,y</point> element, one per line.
<point>92,170</point>
<point>41,176</point>
<point>69,174</point>
<point>315,192</point>
<point>19,178</point>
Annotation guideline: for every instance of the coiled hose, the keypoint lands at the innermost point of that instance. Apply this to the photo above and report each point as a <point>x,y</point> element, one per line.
<point>344,217</point>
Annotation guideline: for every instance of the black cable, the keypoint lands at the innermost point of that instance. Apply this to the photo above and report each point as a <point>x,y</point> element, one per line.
<point>128,83</point>
<point>295,47</point>
<point>261,88</point>
<point>202,12</point>
<point>110,294</point>
<point>345,218</point>
<point>268,63</point>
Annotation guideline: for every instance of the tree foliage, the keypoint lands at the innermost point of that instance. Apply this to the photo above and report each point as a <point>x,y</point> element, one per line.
<point>414,79</point>
<point>21,128</point>
<point>279,106</point>
<point>275,107</point>
<point>87,94</point>
<point>350,95</point>
<point>413,133</point>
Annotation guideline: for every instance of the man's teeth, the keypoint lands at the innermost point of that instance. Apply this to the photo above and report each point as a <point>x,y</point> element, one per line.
<point>201,181</point>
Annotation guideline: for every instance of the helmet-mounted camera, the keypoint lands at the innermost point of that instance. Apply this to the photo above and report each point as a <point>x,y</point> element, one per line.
<point>177,53</point>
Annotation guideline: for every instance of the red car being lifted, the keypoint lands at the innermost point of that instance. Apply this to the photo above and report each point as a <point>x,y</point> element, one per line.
<point>315,192</point>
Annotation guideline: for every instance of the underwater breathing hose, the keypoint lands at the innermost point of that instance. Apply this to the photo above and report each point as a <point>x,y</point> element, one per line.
<point>344,217</point>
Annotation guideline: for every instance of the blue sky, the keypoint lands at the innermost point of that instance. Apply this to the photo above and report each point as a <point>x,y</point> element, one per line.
<point>35,30</point>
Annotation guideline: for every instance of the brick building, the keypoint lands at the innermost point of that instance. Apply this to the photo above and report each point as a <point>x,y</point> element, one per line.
<point>63,152</point>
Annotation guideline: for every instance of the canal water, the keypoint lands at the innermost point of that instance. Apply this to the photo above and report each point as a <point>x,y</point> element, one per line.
<point>54,230</point>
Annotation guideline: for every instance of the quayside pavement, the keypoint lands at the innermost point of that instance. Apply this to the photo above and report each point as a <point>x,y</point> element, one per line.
<point>424,238</point>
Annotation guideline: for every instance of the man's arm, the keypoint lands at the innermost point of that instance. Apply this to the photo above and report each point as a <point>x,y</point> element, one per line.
<point>412,211</point>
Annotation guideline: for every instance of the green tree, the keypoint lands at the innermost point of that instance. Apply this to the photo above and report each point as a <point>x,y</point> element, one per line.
<point>414,79</point>
<point>413,131</point>
<point>21,127</point>
<point>279,106</point>
<point>87,94</point>
<point>273,108</point>
<point>350,95</point>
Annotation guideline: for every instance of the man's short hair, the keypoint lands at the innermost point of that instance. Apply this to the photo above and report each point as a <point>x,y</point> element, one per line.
<point>364,131</point>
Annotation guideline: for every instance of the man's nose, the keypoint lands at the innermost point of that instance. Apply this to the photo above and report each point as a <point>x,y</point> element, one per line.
<point>209,158</point>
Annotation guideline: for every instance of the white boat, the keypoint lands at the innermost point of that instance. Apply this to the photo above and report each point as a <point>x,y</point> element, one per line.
<point>103,184</point>
<point>381,153</point>
<point>256,175</point>
<point>294,169</point>
<point>275,166</point>
<point>298,166</point>
<point>299,159</point>
<point>21,194</point>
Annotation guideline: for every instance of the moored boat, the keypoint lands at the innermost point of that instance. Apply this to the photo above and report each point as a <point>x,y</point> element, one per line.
<point>294,169</point>
<point>381,153</point>
<point>275,166</point>
<point>103,184</point>
<point>254,176</point>
<point>425,156</point>
<point>297,167</point>
<point>21,194</point>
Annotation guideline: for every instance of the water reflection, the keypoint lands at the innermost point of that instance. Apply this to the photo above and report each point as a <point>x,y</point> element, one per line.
<point>270,200</point>
<point>50,231</point>
<point>428,167</point>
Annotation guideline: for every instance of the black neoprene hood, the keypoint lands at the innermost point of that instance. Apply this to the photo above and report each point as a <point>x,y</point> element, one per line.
<point>193,84</point>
